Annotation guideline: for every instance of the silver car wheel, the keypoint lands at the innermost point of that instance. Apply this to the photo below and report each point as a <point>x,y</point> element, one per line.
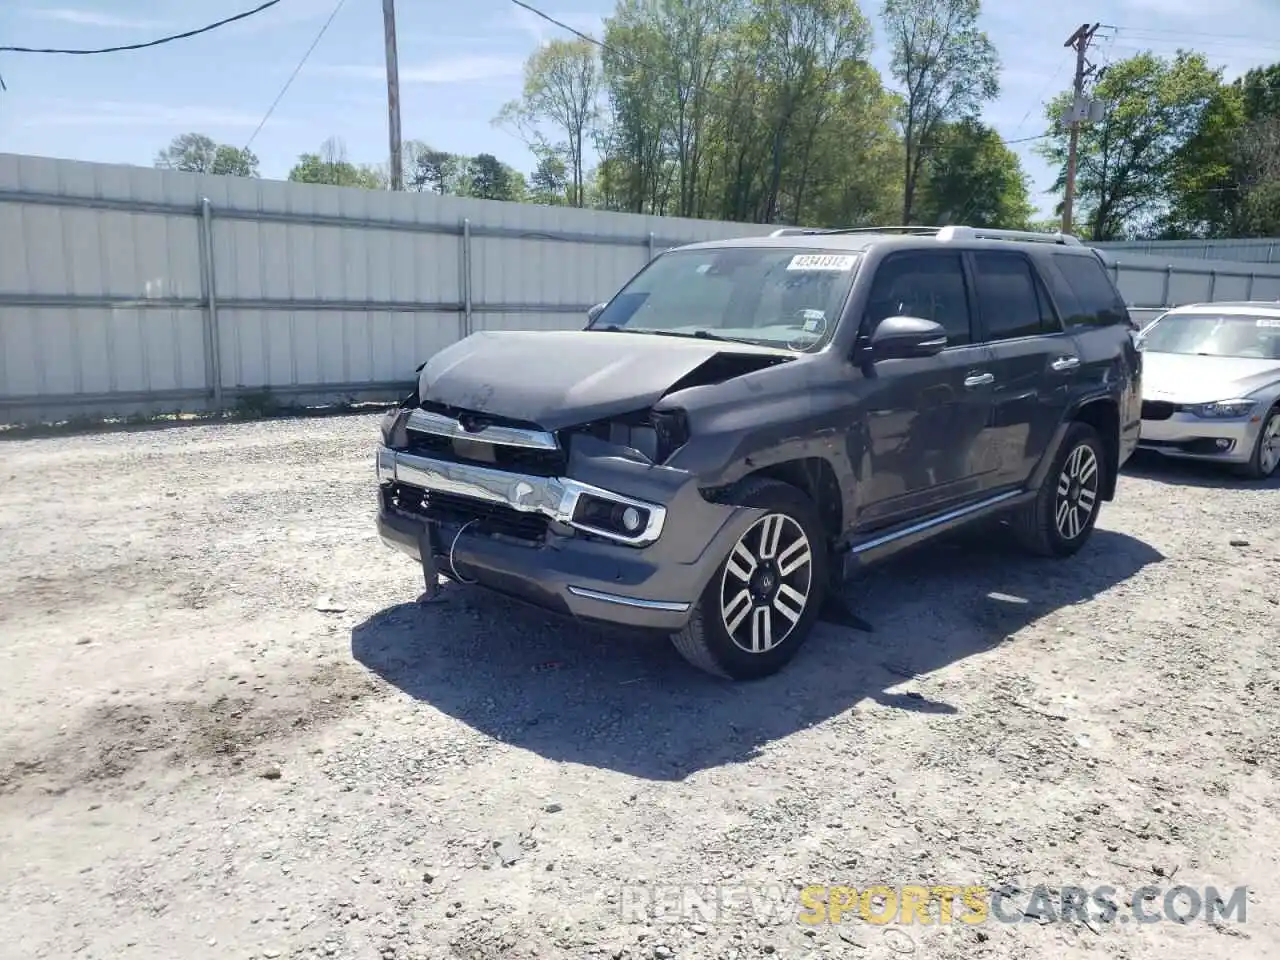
<point>1077,492</point>
<point>767,583</point>
<point>1269,455</point>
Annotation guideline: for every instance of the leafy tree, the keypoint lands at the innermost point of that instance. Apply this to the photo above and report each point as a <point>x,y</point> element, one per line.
<point>947,68</point>
<point>330,166</point>
<point>490,179</point>
<point>197,153</point>
<point>561,90</point>
<point>973,178</point>
<point>434,171</point>
<point>550,181</point>
<point>764,111</point>
<point>1129,163</point>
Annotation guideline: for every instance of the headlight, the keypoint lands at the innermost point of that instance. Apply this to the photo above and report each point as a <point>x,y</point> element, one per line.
<point>1223,409</point>
<point>655,435</point>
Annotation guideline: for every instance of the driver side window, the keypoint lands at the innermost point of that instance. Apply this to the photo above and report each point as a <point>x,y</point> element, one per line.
<point>927,285</point>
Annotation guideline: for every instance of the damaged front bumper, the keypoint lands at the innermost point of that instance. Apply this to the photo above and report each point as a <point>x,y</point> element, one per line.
<point>551,541</point>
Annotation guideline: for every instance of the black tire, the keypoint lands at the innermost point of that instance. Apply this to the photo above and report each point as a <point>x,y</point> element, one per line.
<point>708,640</point>
<point>1256,469</point>
<point>1060,520</point>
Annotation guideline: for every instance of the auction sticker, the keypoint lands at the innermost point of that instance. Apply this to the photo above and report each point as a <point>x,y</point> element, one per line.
<point>1269,322</point>
<point>817,261</point>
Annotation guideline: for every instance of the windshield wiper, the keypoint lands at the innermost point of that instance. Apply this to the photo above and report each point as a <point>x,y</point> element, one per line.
<point>693,335</point>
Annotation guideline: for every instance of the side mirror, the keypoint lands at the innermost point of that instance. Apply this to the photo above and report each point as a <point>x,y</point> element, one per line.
<point>899,338</point>
<point>595,312</point>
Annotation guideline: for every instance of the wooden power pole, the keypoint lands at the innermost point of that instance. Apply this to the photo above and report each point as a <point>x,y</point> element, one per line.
<point>393,94</point>
<point>1079,41</point>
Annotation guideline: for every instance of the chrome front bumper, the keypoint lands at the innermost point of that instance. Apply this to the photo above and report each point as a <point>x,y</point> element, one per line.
<point>555,497</point>
<point>651,580</point>
<point>1201,438</point>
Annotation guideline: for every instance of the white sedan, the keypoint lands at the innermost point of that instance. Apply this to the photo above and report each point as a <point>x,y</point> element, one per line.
<point>1211,385</point>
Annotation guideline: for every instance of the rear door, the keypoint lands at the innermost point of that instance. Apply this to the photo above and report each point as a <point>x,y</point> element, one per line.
<point>1095,315</point>
<point>1033,359</point>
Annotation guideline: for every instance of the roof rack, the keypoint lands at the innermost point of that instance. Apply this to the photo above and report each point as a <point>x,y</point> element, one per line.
<point>943,234</point>
<point>983,233</point>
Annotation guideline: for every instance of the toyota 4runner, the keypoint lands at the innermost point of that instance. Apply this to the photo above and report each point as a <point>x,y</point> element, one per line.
<point>750,421</point>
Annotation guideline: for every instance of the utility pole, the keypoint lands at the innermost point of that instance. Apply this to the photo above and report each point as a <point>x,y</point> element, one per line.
<point>393,94</point>
<point>1079,41</point>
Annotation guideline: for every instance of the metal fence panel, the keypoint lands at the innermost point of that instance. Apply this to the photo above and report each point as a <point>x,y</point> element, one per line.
<point>125,288</point>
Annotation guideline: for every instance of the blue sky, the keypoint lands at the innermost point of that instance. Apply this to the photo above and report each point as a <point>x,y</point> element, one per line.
<point>459,63</point>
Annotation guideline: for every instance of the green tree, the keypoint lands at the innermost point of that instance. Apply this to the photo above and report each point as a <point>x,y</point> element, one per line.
<point>946,68</point>
<point>764,111</point>
<point>491,179</point>
<point>330,166</point>
<point>434,171</point>
<point>197,153</point>
<point>1129,162</point>
<point>973,178</point>
<point>550,181</point>
<point>561,91</point>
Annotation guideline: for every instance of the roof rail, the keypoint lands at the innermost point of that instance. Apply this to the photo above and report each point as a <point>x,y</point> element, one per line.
<point>983,233</point>
<point>956,232</point>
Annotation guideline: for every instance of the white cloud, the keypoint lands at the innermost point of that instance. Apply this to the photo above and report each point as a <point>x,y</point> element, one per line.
<point>455,70</point>
<point>113,113</point>
<point>94,18</point>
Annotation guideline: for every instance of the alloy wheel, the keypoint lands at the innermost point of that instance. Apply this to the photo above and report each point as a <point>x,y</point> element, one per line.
<point>1077,492</point>
<point>1269,455</point>
<point>767,583</point>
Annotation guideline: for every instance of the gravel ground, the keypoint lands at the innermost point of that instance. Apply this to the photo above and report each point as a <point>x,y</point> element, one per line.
<point>196,761</point>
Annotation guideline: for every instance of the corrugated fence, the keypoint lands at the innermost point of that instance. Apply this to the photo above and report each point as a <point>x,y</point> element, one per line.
<point>125,289</point>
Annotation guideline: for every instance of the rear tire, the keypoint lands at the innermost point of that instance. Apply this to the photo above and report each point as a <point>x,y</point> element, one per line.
<point>1060,520</point>
<point>1266,452</point>
<point>761,604</point>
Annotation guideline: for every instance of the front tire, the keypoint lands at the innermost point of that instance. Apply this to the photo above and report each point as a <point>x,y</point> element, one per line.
<point>1266,452</point>
<point>762,602</point>
<point>1060,520</point>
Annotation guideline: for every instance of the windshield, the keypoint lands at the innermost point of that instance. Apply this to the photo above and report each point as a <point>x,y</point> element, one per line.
<point>772,296</point>
<point>1215,335</point>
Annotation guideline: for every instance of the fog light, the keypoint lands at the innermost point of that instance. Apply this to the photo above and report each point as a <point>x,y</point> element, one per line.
<point>631,519</point>
<point>1224,444</point>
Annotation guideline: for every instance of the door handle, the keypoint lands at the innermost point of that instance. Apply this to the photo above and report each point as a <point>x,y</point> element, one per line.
<point>1065,363</point>
<point>979,380</point>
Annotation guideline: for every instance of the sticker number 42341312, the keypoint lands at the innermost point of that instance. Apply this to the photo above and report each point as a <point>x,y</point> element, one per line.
<point>818,261</point>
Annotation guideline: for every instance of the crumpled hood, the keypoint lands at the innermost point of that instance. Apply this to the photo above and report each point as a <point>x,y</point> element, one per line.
<point>1180,378</point>
<point>561,378</point>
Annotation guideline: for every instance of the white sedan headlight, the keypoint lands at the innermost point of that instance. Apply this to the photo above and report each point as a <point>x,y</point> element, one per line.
<point>1223,409</point>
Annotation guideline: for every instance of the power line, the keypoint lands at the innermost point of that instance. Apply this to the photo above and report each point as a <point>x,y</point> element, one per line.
<point>293,76</point>
<point>150,43</point>
<point>564,26</point>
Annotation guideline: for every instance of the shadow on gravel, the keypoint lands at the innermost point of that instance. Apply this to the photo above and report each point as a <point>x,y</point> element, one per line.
<point>628,703</point>
<point>1191,473</point>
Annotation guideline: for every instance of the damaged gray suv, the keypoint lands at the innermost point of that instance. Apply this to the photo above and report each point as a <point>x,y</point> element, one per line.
<point>749,422</point>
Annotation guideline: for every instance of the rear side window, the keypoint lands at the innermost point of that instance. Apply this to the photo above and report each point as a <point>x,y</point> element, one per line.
<point>1094,300</point>
<point>1012,300</point>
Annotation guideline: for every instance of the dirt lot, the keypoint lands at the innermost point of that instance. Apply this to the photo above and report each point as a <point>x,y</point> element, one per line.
<point>195,761</point>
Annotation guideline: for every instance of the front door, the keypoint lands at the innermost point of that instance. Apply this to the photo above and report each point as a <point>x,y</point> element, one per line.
<point>925,418</point>
<point>1033,360</point>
